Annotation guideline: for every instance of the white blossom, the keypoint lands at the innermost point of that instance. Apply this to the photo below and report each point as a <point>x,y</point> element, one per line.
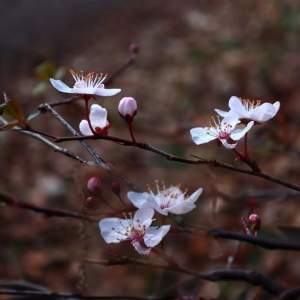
<point>85,84</point>
<point>250,110</point>
<point>137,230</point>
<point>168,200</point>
<point>98,119</point>
<point>225,131</point>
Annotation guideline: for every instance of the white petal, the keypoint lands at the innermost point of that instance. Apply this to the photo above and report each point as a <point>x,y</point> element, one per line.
<point>221,113</point>
<point>236,105</point>
<point>60,86</point>
<point>140,248</point>
<point>114,230</point>
<point>85,128</point>
<point>140,200</point>
<point>202,135</point>
<point>143,218</point>
<point>182,208</point>
<point>98,116</point>
<point>228,145</point>
<point>265,112</point>
<point>154,235</point>
<point>106,92</point>
<point>239,133</point>
<point>194,197</point>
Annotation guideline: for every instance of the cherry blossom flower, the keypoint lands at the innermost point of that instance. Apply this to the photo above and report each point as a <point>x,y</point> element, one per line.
<point>85,84</point>
<point>250,110</point>
<point>98,119</point>
<point>137,230</point>
<point>169,200</point>
<point>225,131</point>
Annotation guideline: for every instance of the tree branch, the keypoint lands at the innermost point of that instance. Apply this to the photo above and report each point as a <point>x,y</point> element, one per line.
<point>249,276</point>
<point>260,242</point>
<point>171,157</point>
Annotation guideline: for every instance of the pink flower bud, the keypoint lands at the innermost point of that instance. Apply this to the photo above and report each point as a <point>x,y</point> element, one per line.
<point>127,108</point>
<point>134,49</point>
<point>254,222</point>
<point>94,184</point>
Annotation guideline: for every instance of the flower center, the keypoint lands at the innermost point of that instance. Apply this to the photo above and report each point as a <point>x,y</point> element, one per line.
<point>250,104</point>
<point>90,80</point>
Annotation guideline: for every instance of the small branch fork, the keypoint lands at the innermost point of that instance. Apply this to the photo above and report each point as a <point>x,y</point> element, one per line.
<point>171,157</point>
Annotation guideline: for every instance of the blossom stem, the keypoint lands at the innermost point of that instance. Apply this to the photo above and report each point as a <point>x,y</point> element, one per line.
<point>131,131</point>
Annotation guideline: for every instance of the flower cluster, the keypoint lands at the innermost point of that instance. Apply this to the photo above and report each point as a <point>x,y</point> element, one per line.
<point>88,86</point>
<point>236,122</point>
<point>138,229</point>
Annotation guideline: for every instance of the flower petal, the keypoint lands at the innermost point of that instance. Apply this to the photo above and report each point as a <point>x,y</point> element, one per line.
<point>140,248</point>
<point>265,112</point>
<point>140,200</point>
<point>194,197</point>
<point>98,116</point>
<point>202,135</point>
<point>182,208</point>
<point>114,230</point>
<point>60,86</point>
<point>154,235</point>
<point>143,218</point>
<point>236,105</point>
<point>85,128</point>
<point>106,92</point>
<point>228,145</point>
<point>239,133</point>
<point>221,113</point>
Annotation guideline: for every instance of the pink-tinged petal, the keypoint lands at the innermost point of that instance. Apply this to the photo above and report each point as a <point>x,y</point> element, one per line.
<point>85,128</point>
<point>228,145</point>
<point>265,112</point>
<point>106,92</point>
<point>222,113</point>
<point>60,86</point>
<point>140,200</point>
<point>236,105</point>
<point>143,218</point>
<point>114,230</point>
<point>153,235</point>
<point>140,248</point>
<point>239,133</point>
<point>98,116</point>
<point>202,135</point>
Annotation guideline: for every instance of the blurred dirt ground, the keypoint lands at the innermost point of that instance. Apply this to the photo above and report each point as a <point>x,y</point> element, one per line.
<point>193,56</point>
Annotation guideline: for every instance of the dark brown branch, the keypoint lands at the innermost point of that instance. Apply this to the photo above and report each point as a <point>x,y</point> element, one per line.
<point>171,157</point>
<point>263,243</point>
<point>11,201</point>
<point>249,276</point>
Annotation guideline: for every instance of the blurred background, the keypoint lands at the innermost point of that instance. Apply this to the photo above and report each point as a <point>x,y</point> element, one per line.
<point>193,56</point>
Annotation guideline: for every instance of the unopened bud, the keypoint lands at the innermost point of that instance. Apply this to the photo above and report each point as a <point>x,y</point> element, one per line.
<point>127,108</point>
<point>254,222</point>
<point>91,202</point>
<point>94,184</point>
<point>116,188</point>
<point>134,49</point>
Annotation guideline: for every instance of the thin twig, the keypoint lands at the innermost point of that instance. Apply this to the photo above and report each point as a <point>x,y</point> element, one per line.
<point>171,157</point>
<point>290,294</point>
<point>12,201</point>
<point>257,241</point>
